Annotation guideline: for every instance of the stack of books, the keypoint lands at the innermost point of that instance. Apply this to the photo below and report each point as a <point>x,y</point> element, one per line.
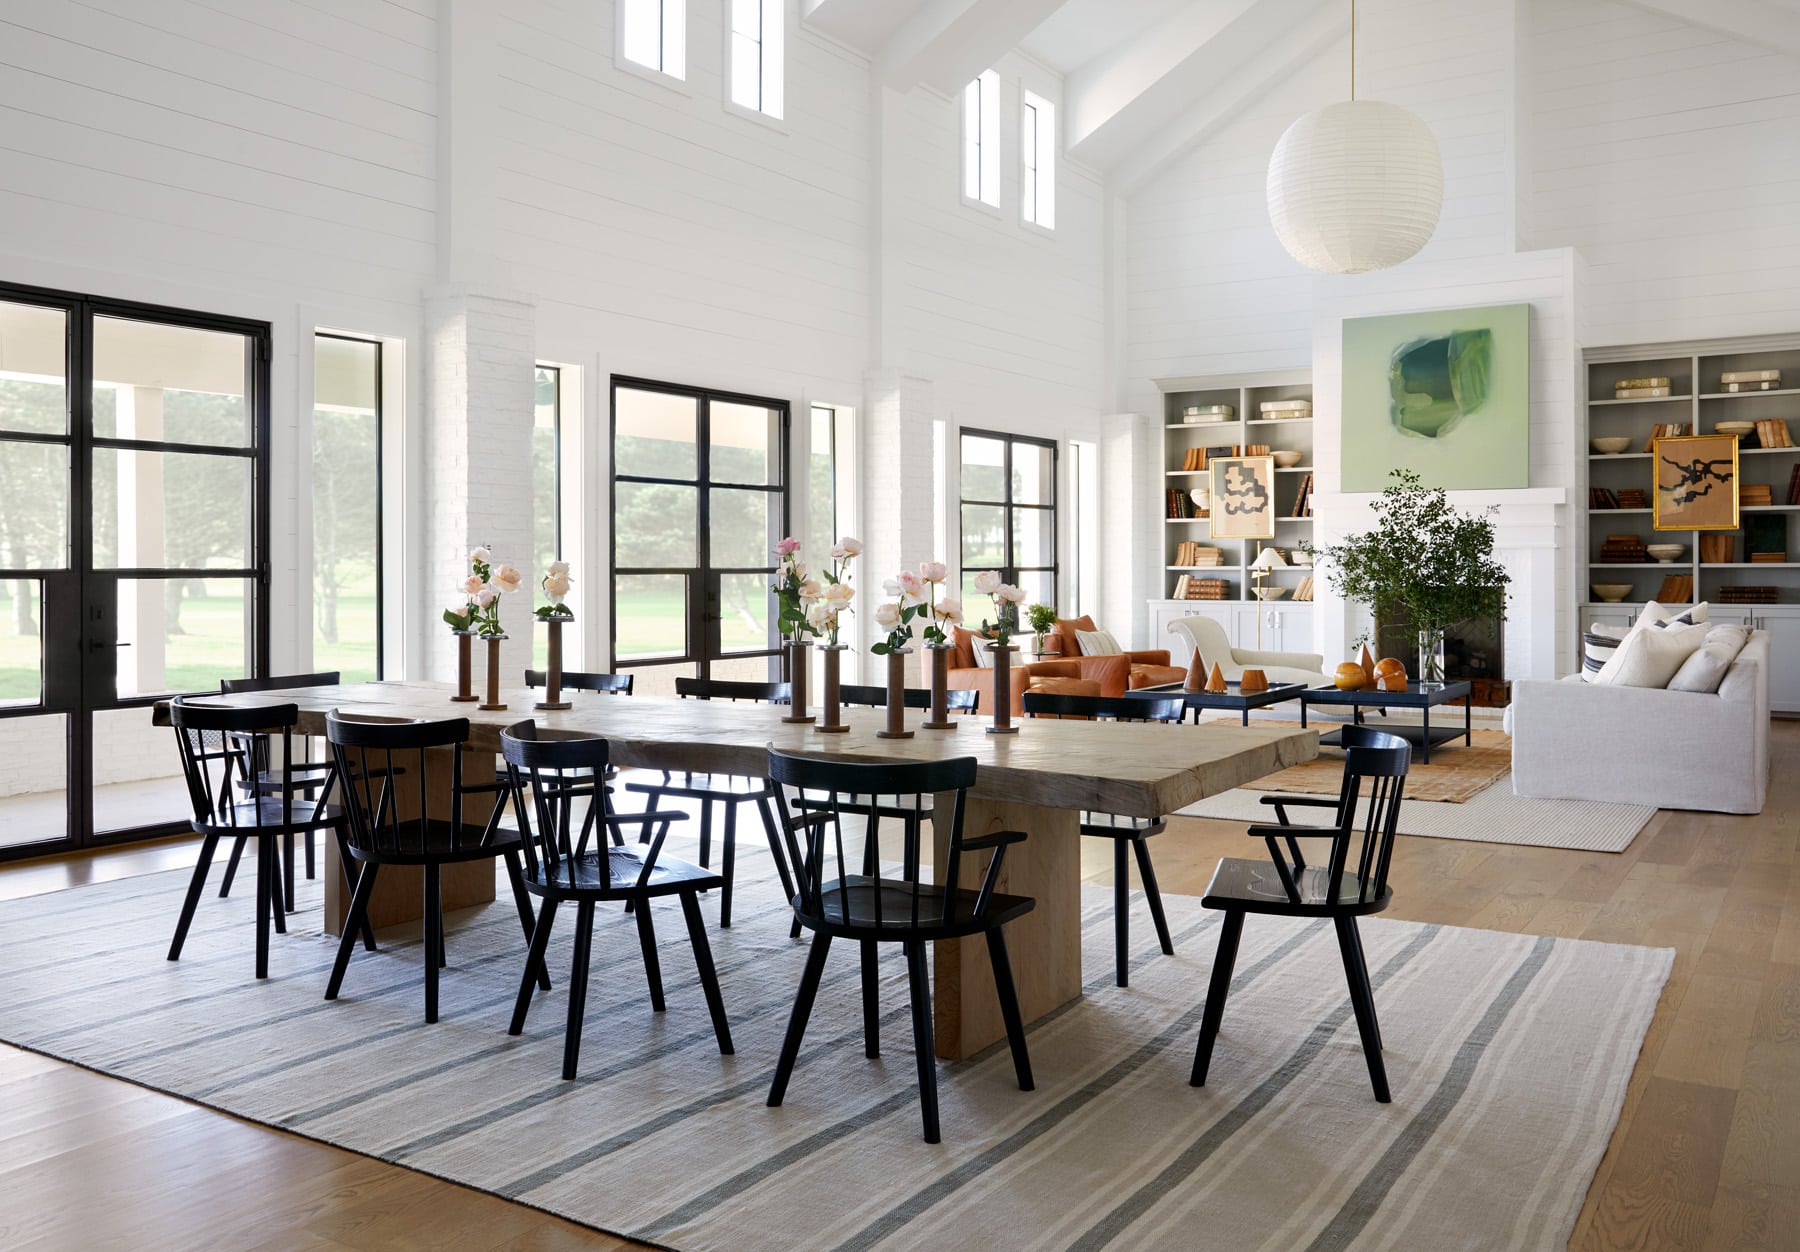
<point>1176,502</point>
<point>1716,549</point>
<point>1754,494</point>
<point>1188,587</point>
<point>1794,486</point>
<point>1746,595</point>
<point>1192,555</point>
<point>1274,409</point>
<point>1303,501</point>
<point>1677,589</point>
<point>1304,590</point>
<point>1208,413</point>
<point>1634,498</point>
<point>1194,460</point>
<point>1772,432</point>
<point>1768,558</point>
<point>1623,550</point>
<point>1251,449</point>
<point>1664,430</point>
<point>1603,498</point>
<point>1750,380</point>
<point>1640,388</point>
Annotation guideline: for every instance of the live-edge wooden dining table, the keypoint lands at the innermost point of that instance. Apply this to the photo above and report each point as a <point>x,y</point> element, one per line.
<point>1038,781</point>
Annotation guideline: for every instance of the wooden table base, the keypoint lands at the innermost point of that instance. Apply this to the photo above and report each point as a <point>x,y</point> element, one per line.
<point>1044,945</point>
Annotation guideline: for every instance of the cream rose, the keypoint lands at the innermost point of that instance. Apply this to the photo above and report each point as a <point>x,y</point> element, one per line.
<point>837,595</point>
<point>949,609</point>
<point>887,615</point>
<point>485,597</point>
<point>933,571</point>
<point>912,585</point>
<point>470,585</point>
<point>558,569</point>
<point>507,579</point>
<point>820,615</point>
<point>557,586</point>
<point>851,547</point>
<point>481,556</point>
<point>987,582</point>
<point>1010,594</point>
<point>809,589</point>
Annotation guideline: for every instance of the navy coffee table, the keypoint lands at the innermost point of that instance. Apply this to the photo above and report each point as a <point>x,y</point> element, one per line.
<point>1421,696</point>
<point>1232,699</point>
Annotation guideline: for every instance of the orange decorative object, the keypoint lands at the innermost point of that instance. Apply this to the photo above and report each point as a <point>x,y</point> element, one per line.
<point>1216,680</point>
<point>1253,680</point>
<point>1391,682</point>
<point>1349,677</point>
<point>1390,667</point>
<point>1367,661</point>
<point>1196,675</point>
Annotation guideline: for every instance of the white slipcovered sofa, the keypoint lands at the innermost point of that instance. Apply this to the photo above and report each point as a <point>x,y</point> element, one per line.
<point>1575,740</point>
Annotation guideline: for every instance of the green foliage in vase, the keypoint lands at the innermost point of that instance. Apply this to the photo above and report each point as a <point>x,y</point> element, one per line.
<point>1425,561</point>
<point>1041,617</point>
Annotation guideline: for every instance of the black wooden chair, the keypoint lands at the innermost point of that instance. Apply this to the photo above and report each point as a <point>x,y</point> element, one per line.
<point>956,700</point>
<point>308,776</point>
<point>375,762</point>
<point>550,781</point>
<point>854,899</point>
<point>217,745</point>
<point>1352,882</point>
<point>572,680</point>
<point>1125,832</point>
<point>724,789</point>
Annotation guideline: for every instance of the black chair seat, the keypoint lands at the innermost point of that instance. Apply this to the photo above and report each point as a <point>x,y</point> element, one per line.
<point>618,880</point>
<point>706,787</point>
<point>1119,826</point>
<point>265,817</point>
<point>436,842</point>
<point>849,910</point>
<point>1255,887</point>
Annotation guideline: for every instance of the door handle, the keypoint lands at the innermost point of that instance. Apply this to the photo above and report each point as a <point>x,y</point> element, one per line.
<point>99,645</point>
<point>712,617</point>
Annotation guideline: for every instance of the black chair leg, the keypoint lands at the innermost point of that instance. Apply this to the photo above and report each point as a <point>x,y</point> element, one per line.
<point>311,866</point>
<point>578,984</point>
<point>433,912</point>
<point>358,919</point>
<point>871,997</point>
<point>1121,915</point>
<point>709,976</point>
<point>534,960</point>
<point>1362,999</point>
<point>522,900</point>
<point>781,865</point>
<point>728,864</point>
<point>287,873</point>
<point>1230,931</point>
<point>1009,1008</point>
<point>1153,894</point>
<point>706,809</point>
<point>196,885</point>
<point>652,966</point>
<point>803,1003</point>
<point>924,1045</point>
<point>268,884</point>
<point>231,866</point>
<point>349,865</point>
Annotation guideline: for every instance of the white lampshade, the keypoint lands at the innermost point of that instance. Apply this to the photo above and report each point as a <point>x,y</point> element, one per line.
<point>1268,559</point>
<point>1355,186</point>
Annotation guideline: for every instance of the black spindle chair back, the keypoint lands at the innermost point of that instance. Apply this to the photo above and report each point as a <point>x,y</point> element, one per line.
<point>1104,708</point>
<point>218,746</point>
<point>1362,845</point>
<point>732,690</point>
<point>376,759</point>
<point>574,680</point>
<point>559,803</point>
<point>956,700</point>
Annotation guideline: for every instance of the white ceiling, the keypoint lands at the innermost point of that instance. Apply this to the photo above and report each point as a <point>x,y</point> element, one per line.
<point>1082,30</point>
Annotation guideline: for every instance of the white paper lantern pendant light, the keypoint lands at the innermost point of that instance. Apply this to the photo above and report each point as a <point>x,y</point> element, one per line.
<point>1357,185</point>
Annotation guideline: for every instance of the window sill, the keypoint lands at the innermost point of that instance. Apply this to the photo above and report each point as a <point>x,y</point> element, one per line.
<point>981,206</point>
<point>660,77</point>
<point>777,124</point>
<point>1033,228</point>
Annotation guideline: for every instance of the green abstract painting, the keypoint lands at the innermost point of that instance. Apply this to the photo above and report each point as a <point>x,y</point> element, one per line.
<point>1445,393</point>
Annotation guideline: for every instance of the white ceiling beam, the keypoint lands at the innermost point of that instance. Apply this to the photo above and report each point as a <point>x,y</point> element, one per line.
<point>1134,95</point>
<point>1762,22</point>
<point>1254,78</point>
<point>948,42</point>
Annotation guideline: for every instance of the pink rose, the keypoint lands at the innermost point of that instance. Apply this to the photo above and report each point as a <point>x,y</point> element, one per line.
<point>470,585</point>
<point>933,571</point>
<point>485,597</point>
<point>1009,594</point>
<point>987,582</point>
<point>787,547</point>
<point>851,547</point>
<point>911,584</point>
<point>949,609</point>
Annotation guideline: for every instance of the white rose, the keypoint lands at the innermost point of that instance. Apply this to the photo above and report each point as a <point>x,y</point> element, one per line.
<point>820,615</point>
<point>887,616</point>
<point>1010,594</point>
<point>481,556</point>
<point>839,552</point>
<point>507,579</point>
<point>987,582</point>
<point>933,571</point>
<point>557,586</point>
<point>809,590</point>
<point>558,568</point>
<point>851,547</point>
<point>891,587</point>
<point>839,594</point>
<point>485,597</point>
<point>950,610</point>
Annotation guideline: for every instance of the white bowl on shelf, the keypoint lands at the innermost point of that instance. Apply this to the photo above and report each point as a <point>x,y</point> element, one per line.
<point>1270,593</point>
<point>1734,428</point>
<point>1287,458</point>
<point>1611,593</point>
<point>1667,553</point>
<point>1611,445</point>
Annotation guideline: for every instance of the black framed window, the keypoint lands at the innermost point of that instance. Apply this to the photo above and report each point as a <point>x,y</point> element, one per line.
<point>348,620</point>
<point>1007,505</point>
<point>546,492</point>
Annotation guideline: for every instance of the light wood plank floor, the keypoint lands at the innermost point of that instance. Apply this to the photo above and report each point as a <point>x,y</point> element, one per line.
<point>1706,1155</point>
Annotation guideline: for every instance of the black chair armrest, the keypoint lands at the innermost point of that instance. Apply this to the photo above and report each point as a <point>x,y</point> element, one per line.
<point>1307,802</point>
<point>998,839</point>
<point>1293,832</point>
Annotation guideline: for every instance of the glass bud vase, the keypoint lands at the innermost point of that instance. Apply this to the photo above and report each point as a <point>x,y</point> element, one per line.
<point>896,696</point>
<point>799,663</point>
<point>1003,725</point>
<point>1431,656</point>
<point>939,681</point>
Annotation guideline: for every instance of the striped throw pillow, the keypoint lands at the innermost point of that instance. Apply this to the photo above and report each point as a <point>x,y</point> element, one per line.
<point>1598,646</point>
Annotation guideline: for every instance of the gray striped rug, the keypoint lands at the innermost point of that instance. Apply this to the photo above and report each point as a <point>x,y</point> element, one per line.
<point>1508,1054</point>
<point>1492,815</point>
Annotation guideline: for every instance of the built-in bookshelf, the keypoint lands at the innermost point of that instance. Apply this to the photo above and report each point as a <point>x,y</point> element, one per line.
<point>1188,443</point>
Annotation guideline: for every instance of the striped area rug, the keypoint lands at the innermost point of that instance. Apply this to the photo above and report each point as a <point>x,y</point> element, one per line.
<point>1508,1054</point>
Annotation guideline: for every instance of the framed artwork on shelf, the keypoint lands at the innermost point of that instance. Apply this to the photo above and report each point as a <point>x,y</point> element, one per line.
<point>1243,497</point>
<point>1446,393</point>
<point>1696,482</point>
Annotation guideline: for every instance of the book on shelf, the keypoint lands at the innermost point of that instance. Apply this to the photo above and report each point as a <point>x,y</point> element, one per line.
<point>1755,494</point>
<point>1768,558</point>
<point>1772,432</point>
<point>1641,393</point>
<point>1632,384</point>
<point>1747,595</point>
<point>1602,498</point>
<point>1181,588</point>
<point>1305,590</point>
<point>1285,408</point>
<point>1205,589</point>
<point>1633,498</point>
<point>1794,486</point>
<point>1178,504</point>
<point>1771,385</point>
<point>1664,430</point>
<point>1750,376</point>
<point>1676,589</point>
<point>1303,498</point>
<point>1716,549</point>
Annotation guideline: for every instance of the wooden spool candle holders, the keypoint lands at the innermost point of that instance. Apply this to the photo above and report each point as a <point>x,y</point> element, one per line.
<point>896,696</point>
<point>465,681</point>
<point>831,716</point>
<point>493,704</point>
<point>553,668</point>
<point>799,663</point>
<point>1002,654</point>
<point>939,718</point>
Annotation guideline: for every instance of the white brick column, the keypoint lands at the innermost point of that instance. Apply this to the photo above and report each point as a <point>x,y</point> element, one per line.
<point>1130,551</point>
<point>479,376</point>
<point>899,488</point>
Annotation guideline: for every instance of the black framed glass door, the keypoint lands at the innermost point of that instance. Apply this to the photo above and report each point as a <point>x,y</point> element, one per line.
<point>133,552</point>
<point>699,498</point>
<point>1007,508</point>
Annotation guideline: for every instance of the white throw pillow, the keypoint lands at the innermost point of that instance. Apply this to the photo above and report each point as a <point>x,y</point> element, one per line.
<point>1097,643</point>
<point>983,658</point>
<point>1658,615</point>
<point>1706,668</point>
<point>1650,656</point>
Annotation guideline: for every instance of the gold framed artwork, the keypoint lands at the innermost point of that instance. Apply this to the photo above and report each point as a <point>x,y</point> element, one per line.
<point>1696,482</point>
<point>1243,497</point>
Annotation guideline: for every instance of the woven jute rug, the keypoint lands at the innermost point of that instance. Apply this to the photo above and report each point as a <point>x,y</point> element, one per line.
<point>1455,774</point>
<point>1508,1055</point>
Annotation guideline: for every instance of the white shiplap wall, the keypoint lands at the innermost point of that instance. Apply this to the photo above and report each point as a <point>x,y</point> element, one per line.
<point>1667,154</point>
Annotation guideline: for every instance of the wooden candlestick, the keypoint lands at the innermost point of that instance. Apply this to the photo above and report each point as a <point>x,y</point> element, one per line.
<point>493,703</point>
<point>553,668</point>
<point>798,664</point>
<point>896,696</point>
<point>1002,654</point>
<point>830,715</point>
<point>465,683</point>
<point>939,718</point>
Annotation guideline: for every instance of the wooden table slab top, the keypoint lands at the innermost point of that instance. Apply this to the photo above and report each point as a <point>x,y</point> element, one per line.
<point>1141,770</point>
